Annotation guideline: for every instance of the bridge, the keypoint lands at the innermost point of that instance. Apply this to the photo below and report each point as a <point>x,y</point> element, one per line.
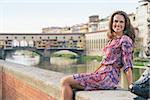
<point>41,43</point>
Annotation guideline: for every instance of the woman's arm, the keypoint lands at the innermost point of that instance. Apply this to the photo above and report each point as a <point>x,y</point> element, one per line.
<point>127,48</point>
<point>128,74</point>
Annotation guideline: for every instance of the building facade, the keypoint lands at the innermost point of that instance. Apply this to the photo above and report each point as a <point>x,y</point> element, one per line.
<point>143,20</point>
<point>95,41</point>
<point>42,41</point>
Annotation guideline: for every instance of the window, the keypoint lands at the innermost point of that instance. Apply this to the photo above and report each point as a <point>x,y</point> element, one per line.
<point>134,18</point>
<point>71,38</point>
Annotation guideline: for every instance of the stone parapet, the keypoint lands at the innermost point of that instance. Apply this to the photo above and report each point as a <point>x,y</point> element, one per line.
<point>21,82</point>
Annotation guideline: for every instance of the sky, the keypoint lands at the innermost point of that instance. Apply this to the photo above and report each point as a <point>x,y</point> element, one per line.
<point>30,16</point>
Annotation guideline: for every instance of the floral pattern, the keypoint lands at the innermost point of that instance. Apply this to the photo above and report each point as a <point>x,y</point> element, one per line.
<point>118,54</point>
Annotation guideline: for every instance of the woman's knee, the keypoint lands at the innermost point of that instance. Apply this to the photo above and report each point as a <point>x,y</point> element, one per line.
<point>69,81</point>
<point>65,80</point>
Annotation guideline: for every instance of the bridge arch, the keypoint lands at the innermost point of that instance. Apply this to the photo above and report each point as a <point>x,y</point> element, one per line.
<point>65,52</point>
<point>31,43</point>
<point>33,49</point>
<point>44,59</point>
<point>78,52</point>
<point>23,43</point>
<point>16,43</point>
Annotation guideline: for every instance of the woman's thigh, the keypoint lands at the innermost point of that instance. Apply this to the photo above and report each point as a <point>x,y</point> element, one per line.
<point>71,81</point>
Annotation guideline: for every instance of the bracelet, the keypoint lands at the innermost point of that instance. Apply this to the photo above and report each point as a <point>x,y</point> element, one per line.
<point>130,86</point>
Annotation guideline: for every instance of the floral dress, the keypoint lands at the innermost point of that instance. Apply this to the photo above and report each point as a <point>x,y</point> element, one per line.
<point>118,54</point>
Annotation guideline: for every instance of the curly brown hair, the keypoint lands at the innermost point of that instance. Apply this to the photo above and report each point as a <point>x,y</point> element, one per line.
<point>128,30</point>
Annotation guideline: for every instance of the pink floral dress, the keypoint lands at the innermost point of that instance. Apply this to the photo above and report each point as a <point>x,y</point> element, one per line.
<point>118,54</point>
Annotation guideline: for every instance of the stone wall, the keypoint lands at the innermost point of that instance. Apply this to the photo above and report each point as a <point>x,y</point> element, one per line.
<point>19,82</point>
<point>26,83</point>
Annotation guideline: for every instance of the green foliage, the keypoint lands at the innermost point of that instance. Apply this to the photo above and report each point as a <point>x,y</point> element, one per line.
<point>69,56</point>
<point>64,55</point>
<point>136,74</point>
<point>55,55</point>
<point>140,61</point>
<point>136,52</point>
<point>137,59</point>
<point>34,54</point>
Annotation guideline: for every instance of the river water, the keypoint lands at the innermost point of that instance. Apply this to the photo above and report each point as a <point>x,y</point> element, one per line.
<point>58,64</point>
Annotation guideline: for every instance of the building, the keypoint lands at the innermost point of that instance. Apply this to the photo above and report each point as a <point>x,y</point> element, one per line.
<point>93,23</point>
<point>143,20</point>
<point>103,24</point>
<point>95,41</point>
<point>80,28</point>
<point>66,30</point>
<point>51,30</point>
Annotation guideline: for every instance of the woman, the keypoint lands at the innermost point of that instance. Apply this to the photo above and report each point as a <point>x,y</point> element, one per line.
<point>118,54</point>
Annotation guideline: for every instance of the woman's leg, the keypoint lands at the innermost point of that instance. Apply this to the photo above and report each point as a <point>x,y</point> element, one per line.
<point>67,83</point>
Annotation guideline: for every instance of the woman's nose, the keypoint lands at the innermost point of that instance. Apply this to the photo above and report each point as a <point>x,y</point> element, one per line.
<point>117,23</point>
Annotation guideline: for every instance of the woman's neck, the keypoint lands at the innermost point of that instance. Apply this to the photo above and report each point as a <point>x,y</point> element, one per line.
<point>117,35</point>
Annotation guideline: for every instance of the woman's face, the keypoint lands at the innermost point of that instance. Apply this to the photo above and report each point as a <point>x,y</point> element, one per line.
<point>118,24</point>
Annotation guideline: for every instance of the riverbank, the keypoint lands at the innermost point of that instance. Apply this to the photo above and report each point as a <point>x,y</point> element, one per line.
<point>136,61</point>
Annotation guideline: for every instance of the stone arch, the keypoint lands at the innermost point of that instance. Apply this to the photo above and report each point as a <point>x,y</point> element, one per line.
<point>16,43</point>
<point>23,43</point>
<point>31,43</point>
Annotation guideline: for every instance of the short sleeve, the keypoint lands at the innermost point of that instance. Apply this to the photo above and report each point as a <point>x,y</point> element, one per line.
<point>127,48</point>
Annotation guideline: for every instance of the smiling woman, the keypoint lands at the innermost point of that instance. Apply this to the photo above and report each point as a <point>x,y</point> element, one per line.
<point>118,54</point>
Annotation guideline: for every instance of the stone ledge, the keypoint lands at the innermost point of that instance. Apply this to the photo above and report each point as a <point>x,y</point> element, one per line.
<point>105,95</point>
<point>49,83</point>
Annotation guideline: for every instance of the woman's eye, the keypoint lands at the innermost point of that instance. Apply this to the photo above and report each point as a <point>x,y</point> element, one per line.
<point>116,21</point>
<point>121,21</point>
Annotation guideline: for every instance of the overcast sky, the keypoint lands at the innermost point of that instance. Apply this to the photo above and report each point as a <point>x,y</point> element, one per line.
<point>33,15</point>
